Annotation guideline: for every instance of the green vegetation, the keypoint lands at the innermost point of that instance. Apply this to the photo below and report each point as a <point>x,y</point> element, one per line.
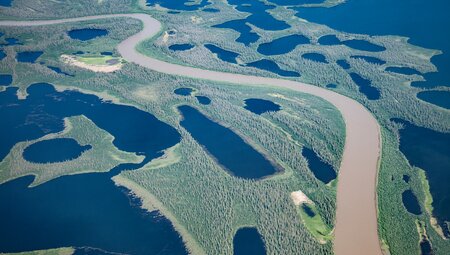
<point>100,158</point>
<point>315,224</point>
<point>189,184</point>
<point>186,184</point>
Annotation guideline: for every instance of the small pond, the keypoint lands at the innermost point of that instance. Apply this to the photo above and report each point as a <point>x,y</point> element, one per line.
<point>183,91</point>
<point>365,87</point>
<point>321,169</point>
<point>203,100</point>
<point>248,241</point>
<point>224,55</point>
<point>5,79</point>
<point>260,106</point>
<point>436,97</point>
<point>282,45</point>
<point>269,65</point>
<point>368,59</point>
<point>410,202</point>
<point>317,57</point>
<point>181,47</point>
<point>28,56</point>
<point>54,150</point>
<point>86,34</point>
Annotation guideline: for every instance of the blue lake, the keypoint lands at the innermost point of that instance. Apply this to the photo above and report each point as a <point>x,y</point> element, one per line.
<point>331,86</point>
<point>86,209</point>
<point>329,40</point>
<point>183,91</point>
<point>260,106</point>
<point>269,65</point>
<point>439,98</point>
<point>282,45</point>
<point>106,53</point>
<point>86,34</point>
<point>403,70</point>
<point>363,45</point>
<point>428,28</point>
<point>6,3</point>
<point>365,87</point>
<point>406,178</point>
<point>28,56</point>
<point>246,35</point>
<point>317,57</point>
<point>58,70</point>
<point>295,2</point>
<point>430,150</point>
<point>203,100</point>
<point>225,146</point>
<point>54,150</point>
<point>5,79</point>
<point>321,169</point>
<point>212,10</point>
<point>343,64</point>
<point>368,59</point>
<point>224,55</point>
<point>181,47</point>
<point>2,54</point>
<point>11,42</point>
<point>44,109</point>
<point>410,202</point>
<point>308,210</point>
<point>258,17</point>
<point>182,5</point>
<point>248,241</point>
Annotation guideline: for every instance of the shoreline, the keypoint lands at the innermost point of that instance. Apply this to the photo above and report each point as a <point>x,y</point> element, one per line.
<point>356,228</point>
<point>151,203</point>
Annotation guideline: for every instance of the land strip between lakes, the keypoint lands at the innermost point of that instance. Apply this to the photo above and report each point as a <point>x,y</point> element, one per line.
<point>356,210</point>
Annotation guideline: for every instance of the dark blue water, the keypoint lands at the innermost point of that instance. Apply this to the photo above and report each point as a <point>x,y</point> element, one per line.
<point>54,150</point>
<point>425,247</point>
<point>259,17</point>
<point>5,79</point>
<point>5,3</point>
<point>28,56</point>
<point>260,106</point>
<point>248,241</point>
<point>106,53</point>
<point>430,150</point>
<point>331,86</point>
<point>365,87</point>
<point>321,169</point>
<point>406,178</point>
<point>229,149</point>
<point>428,28</point>
<point>181,47</point>
<point>203,100</point>
<point>246,35</point>
<point>86,34</point>
<point>182,5</point>
<point>308,210</point>
<point>58,70</point>
<point>183,91</point>
<point>410,202</point>
<point>363,45</point>
<point>212,10</point>
<point>44,110</point>
<point>368,59</point>
<point>225,55</point>
<point>87,209</point>
<point>329,40</point>
<point>269,65</point>
<point>403,70</point>
<point>439,98</point>
<point>2,54</point>
<point>295,2</point>
<point>343,63</point>
<point>81,210</point>
<point>11,42</point>
<point>282,45</point>
<point>315,57</point>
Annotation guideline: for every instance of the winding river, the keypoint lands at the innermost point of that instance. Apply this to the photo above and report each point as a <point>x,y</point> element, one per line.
<point>356,210</point>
